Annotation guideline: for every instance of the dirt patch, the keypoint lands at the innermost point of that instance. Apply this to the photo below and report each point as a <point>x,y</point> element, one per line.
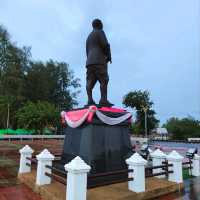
<point>19,192</point>
<point>8,172</point>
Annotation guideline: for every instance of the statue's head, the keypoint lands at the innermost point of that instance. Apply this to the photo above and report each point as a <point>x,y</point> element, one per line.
<point>97,24</point>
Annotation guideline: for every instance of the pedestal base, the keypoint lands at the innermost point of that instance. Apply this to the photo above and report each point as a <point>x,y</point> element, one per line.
<point>104,147</point>
<point>101,146</point>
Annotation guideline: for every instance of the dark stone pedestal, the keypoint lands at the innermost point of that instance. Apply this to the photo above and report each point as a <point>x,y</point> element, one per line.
<point>103,147</point>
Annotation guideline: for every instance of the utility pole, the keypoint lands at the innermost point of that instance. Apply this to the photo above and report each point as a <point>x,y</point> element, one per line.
<point>145,108</point>
<point>8,116</point>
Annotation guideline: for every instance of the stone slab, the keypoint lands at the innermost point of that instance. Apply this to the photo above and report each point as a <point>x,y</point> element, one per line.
<point>56,191</point>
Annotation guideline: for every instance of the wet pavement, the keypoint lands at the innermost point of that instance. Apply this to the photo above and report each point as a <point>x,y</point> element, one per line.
<point>190,192</point>
<point>180,147</point>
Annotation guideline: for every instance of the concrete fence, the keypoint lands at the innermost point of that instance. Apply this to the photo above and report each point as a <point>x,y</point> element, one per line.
<point>30,137</point>
<point>193,139</point>
<point>77,170</point>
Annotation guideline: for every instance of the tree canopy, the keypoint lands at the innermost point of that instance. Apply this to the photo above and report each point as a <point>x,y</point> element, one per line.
<point>52,82</point>
<point>140,100</point>
<point>181,129</point>
<point>38,116</point>
<point>27,84</point>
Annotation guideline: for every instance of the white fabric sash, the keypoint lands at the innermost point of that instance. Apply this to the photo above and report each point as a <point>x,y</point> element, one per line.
<point>111,120</point>
<point>105,119</point>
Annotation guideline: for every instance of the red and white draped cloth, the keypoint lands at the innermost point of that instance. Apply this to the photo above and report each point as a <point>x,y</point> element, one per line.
<point>75,118</point>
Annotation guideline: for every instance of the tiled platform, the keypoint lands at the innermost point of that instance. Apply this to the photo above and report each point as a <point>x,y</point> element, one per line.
<point>56,191</point>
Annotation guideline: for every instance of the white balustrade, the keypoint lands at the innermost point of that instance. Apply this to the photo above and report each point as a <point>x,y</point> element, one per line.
<point>44,158</point>
<point>76,179</point>
<point>137,164</point>
<point>196,165</point>
<point>25,152</point>
<point>175,159</point>
<point>158,157</point>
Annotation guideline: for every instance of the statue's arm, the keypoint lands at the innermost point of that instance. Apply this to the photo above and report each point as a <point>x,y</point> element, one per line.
<point>109,54</point>
<point>105,45</point>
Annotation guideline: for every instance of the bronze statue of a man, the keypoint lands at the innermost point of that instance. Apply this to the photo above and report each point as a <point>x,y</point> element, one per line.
<point>98,56</point>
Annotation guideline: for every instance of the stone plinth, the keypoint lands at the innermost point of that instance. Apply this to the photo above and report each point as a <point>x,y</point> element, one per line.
<point>103,147</point>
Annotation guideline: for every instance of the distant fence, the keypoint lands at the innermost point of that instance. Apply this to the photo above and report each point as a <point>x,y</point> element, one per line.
<point>30,137</point>
<point>193,139</point>
<point>139,139</point>
<point>189,140</point>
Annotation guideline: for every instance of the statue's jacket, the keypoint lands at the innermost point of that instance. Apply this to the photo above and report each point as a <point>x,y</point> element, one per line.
<point>97,48</point>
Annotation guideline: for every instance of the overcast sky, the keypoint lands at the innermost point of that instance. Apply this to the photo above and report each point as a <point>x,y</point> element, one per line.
<point>155,45</point>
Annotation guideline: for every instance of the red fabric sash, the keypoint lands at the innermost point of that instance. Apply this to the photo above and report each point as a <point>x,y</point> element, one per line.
<point>75,118</point>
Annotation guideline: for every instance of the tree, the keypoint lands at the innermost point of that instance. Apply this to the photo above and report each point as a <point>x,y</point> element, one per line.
<point>37,116</point>
<point>181,129</point>
<point>14,61</point>
<point>139,100</point>
<point>25,80</point>
<point>4,46</point>
<point>52,82</point>
<point>6,107</point>
<point>135,128</point>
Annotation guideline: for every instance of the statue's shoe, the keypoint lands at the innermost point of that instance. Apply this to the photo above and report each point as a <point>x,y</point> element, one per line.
<point>105,104</point>
<point>90,103</point>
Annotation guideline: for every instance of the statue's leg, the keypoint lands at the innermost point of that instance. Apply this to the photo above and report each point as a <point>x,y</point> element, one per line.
<point>90,83</point>
<point>103,78</point>
<point>103,89</point>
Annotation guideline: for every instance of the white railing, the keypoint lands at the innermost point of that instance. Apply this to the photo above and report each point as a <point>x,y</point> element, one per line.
<point>31,137</point>
<point>139,139</point>
<point>193,139</point>
<point>77,170</point>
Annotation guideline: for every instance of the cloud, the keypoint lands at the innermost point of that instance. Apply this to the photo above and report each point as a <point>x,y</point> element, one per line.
<point>155,44</point>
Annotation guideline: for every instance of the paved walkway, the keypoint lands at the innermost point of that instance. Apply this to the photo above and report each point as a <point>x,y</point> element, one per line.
<point>22,192</point>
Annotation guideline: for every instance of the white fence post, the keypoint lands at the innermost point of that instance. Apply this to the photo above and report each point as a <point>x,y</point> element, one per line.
<point>137,163</point>
<point>196,165</point>
<point>44,158</point>
<point>176,159</point>
<point>25,152</point>
<point>76,179</point>
<point>157,158</point>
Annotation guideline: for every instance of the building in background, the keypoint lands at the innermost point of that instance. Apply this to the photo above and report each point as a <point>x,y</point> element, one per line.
<point>160,134</point>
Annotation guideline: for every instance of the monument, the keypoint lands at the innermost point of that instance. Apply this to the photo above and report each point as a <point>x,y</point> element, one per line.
<point>99,134</point>
<point>98,55</point>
